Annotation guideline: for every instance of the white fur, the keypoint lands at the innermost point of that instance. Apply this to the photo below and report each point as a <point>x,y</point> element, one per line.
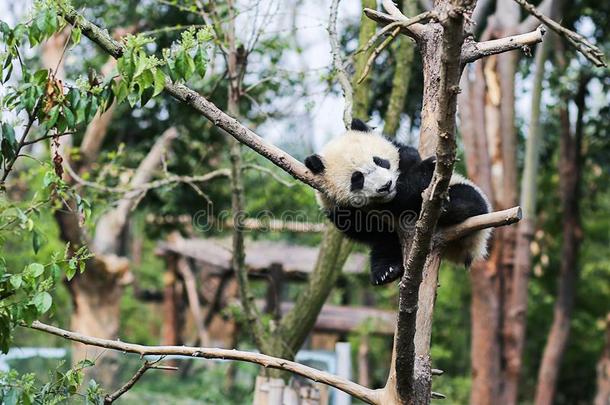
<point>339,165</point>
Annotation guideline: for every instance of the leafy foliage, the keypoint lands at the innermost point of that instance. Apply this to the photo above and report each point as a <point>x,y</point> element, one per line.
<point>25,389</point>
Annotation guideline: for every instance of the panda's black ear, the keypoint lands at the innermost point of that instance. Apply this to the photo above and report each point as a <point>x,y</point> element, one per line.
<point>358,125</point>
<point>314,163</point>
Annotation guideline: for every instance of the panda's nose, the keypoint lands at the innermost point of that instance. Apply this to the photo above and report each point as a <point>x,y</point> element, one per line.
<point>385,188</point>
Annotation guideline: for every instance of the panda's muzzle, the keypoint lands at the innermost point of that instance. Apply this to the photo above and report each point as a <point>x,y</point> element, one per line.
<point>385,188</point>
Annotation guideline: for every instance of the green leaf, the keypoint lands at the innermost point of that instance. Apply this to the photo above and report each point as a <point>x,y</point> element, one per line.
<point>36,241</point>
<point>134,97</point>
<point>41,21</point>
<point>120,90</point>
<point>146,95</point>
<point>73,98</point>
<point>53,116</point>
<point>34,35</point>
<point>34,270</point>
<point>62,124</point>
<point>51,22</point>
<point>12,397</point>
<point>56,271</point>
<point>42,301</point>
<point>8,68</point>
<point>40,77</point>
<point>147,78</point>
<point>8,133</point>
<point>201,61</point>
<point>75,35</point>
<point>49,178</point>
<point>5,28</point>
<point>70,118</point>
<point>182,65</point>
<point>84,364</point>
<point>159,81</point>
<point>71,270</point>
<point>16,281</point>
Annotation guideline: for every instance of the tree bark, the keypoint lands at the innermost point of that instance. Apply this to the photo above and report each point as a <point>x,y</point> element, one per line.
<point>517,306</point>
<point>362,91</point>
<point>487,124</point>
<point>570,165</point>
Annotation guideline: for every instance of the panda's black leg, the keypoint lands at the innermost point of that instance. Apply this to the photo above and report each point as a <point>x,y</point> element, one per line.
<point>464,202</point>
<point>386,260</point>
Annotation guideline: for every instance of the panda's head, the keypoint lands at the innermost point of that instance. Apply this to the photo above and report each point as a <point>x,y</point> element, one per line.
<point>359,167</point>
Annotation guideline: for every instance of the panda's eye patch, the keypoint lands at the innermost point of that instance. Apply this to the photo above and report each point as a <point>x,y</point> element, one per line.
<point>381,162</point>
<point>357,181</point>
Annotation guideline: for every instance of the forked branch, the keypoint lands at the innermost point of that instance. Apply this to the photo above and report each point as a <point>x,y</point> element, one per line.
<point>110,398</point>
<point>587,49</point>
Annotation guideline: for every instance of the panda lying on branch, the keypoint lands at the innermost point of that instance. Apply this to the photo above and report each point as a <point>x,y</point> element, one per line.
<point>373,185</point>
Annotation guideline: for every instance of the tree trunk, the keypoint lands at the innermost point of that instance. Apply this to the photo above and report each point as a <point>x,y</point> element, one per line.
<point>570,166</point>
<point>487,112</point>
<point>96,296</point>
<point>517,306</point>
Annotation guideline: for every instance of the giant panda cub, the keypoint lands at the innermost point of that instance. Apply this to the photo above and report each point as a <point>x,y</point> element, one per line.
<point>372,184</point>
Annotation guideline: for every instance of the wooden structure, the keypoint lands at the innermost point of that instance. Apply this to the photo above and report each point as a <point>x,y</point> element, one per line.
<point>199,271</point>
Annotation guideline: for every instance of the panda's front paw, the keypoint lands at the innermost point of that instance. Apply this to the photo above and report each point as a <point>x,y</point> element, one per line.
<point>383,274</point>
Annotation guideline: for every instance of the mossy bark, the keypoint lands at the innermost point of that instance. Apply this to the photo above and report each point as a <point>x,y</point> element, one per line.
<point>404,50</point>
<point>362,91</point>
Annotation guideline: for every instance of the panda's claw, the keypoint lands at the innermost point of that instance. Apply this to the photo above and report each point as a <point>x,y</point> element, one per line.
<point>383,274</point>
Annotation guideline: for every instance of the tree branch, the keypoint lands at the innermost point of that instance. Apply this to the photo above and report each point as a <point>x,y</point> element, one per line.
<point>205,107</point>
<point>443,46</point>
<point>110,398</point>
<point>190,284</point>
<point>587,49</point>
<point>111,224</point>
<point>414,31</point>
<point>365,394</point>
<point>147,186</point>
<point>473,224</point>
<point>472,50</point>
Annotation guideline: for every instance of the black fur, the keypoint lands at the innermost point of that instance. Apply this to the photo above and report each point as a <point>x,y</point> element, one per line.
<point>386,259</point>
<point>314,163</point>
<point>464,202</point>
<point>357,181</point>
<point>385,163</point>
<point>374,224</point>
<point>358,125</point>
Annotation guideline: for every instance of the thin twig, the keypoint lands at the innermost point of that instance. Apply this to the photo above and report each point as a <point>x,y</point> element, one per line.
<point>378,35</point>
<point>110,398</point>
<point>42,138</point>
<point>20,145</point>
<point>355,390</point>
<point>63,53</point>
<point>269,171</point>
<point>587,49</point>
<point>376,53</point>
<point>147,186</point>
